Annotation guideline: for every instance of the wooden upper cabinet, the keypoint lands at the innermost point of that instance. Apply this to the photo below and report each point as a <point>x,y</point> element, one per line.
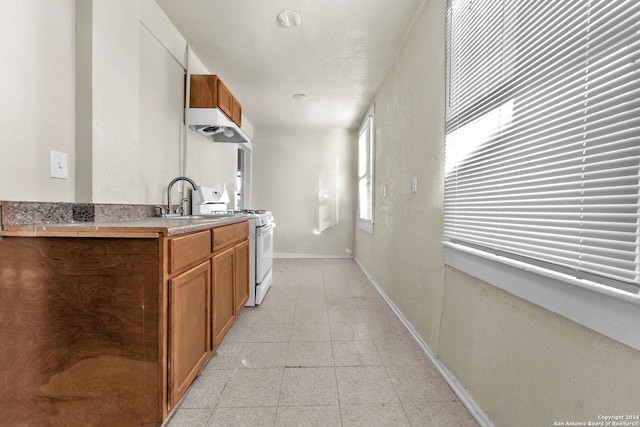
<point>204,91</point>
<point>208,91</point>
<point>225,100</point>
<point>236,112</point>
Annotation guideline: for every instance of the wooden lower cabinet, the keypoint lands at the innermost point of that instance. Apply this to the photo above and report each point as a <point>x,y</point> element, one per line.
<point>80,332</point>
<point>241,285</point>
<point>222,296</point>
<point>230,272</point>
<point>189,327</point>
<point>111,331</point>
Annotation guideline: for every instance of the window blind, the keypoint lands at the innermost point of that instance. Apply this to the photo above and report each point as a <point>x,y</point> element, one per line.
<point>542,159</point>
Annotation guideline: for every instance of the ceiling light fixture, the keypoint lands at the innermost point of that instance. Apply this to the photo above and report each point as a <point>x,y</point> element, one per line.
<point>299,96</point>
<point>289,18</point>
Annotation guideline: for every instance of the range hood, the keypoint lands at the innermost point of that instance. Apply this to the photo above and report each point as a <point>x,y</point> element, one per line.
<point>214,124</point>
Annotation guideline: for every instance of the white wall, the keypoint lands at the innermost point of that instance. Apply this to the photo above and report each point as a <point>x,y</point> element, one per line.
<point>293,168</point>
<point>122,171</point>
<point>141,55</point>
<point>522,364</point>
<point>527,366</point>
<point>404,253</point>
<point>37,105</point>
<point>115,98</point>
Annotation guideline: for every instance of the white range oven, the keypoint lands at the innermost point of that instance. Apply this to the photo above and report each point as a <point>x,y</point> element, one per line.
<point>261,226</point>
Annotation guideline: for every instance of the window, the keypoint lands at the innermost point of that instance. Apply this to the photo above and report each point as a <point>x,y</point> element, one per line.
<point>543,135</point>
<point>365,173</point>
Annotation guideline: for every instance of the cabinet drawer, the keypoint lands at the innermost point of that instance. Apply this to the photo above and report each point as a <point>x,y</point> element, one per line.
<point>189,249</point>
<point>229,234</point>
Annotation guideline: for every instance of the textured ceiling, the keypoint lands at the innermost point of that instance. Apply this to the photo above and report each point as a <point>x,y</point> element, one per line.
<point>337,57</point>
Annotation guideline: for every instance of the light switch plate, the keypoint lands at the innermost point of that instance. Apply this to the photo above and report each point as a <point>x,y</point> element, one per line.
<point>59,168</point>
<point>414,184</point>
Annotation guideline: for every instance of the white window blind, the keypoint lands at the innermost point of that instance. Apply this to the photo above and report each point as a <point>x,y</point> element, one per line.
<point>543,134</point>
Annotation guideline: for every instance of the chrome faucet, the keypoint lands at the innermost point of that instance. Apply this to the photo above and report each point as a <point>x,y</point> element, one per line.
<point>173,181</point>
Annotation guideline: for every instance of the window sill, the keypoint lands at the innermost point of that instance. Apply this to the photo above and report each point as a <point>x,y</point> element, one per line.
<point>611,312</point>
<point>365,225</point>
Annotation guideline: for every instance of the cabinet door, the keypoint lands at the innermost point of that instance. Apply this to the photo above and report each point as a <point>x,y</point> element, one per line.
<point>242,275</point>
<point>225,100</point>
<point>223,294</point>
<point>204,91</point>
<point>236,111</point>
<point>189,323</point>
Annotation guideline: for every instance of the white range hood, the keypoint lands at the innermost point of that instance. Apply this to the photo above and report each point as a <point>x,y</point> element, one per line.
<point>214,124</point>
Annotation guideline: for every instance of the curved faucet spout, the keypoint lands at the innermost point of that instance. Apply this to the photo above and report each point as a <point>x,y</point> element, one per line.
<point>170,186</point>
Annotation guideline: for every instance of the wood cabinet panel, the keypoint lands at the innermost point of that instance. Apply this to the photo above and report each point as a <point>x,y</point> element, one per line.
<point>189,327</point>
<point>79,331</point>
<point>225,100</point>
<point>241,285</point>
<point>222,296</point>
<point>111,331</point>
<point>203,92</point>
<point>229,234</point>
<point>236,112</point>
<point>188,250</point>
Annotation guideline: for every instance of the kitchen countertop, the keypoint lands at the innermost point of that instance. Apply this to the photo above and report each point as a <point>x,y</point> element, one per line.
<point>151,227</point>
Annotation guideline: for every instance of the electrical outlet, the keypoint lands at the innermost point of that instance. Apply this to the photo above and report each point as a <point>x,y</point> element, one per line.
<point>384,191</point>
<point>58,166</point>
<point>414,184</point>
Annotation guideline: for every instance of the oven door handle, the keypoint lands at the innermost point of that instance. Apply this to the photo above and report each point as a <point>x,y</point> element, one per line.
<point>267,227</point>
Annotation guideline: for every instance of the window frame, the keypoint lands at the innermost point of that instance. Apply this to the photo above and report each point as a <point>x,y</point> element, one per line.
<point>612,312</point>
<point>368,126</point>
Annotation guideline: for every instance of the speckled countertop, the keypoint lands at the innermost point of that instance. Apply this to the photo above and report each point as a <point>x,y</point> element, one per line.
<point>89,220</point>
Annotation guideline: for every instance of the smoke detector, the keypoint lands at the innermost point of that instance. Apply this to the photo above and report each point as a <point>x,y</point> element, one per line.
<point>289,18</point>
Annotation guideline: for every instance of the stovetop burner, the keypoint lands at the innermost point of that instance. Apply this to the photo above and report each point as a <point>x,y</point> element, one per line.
<point>241,211</point>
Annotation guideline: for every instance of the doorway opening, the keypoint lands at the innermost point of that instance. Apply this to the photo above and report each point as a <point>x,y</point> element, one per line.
<point>242,190</point>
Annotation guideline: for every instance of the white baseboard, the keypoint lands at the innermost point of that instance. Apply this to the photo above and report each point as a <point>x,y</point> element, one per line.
<point>458,389</point>
<point>310,256</point>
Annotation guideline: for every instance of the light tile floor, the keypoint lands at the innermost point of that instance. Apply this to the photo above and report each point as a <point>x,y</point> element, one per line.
<point>323,349</point>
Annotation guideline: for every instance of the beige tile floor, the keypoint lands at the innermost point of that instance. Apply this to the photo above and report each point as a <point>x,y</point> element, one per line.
<point>323,349</point>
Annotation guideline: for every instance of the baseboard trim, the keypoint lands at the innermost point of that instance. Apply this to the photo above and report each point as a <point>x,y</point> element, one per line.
<point>458,389</point>
<point>310,256</point>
